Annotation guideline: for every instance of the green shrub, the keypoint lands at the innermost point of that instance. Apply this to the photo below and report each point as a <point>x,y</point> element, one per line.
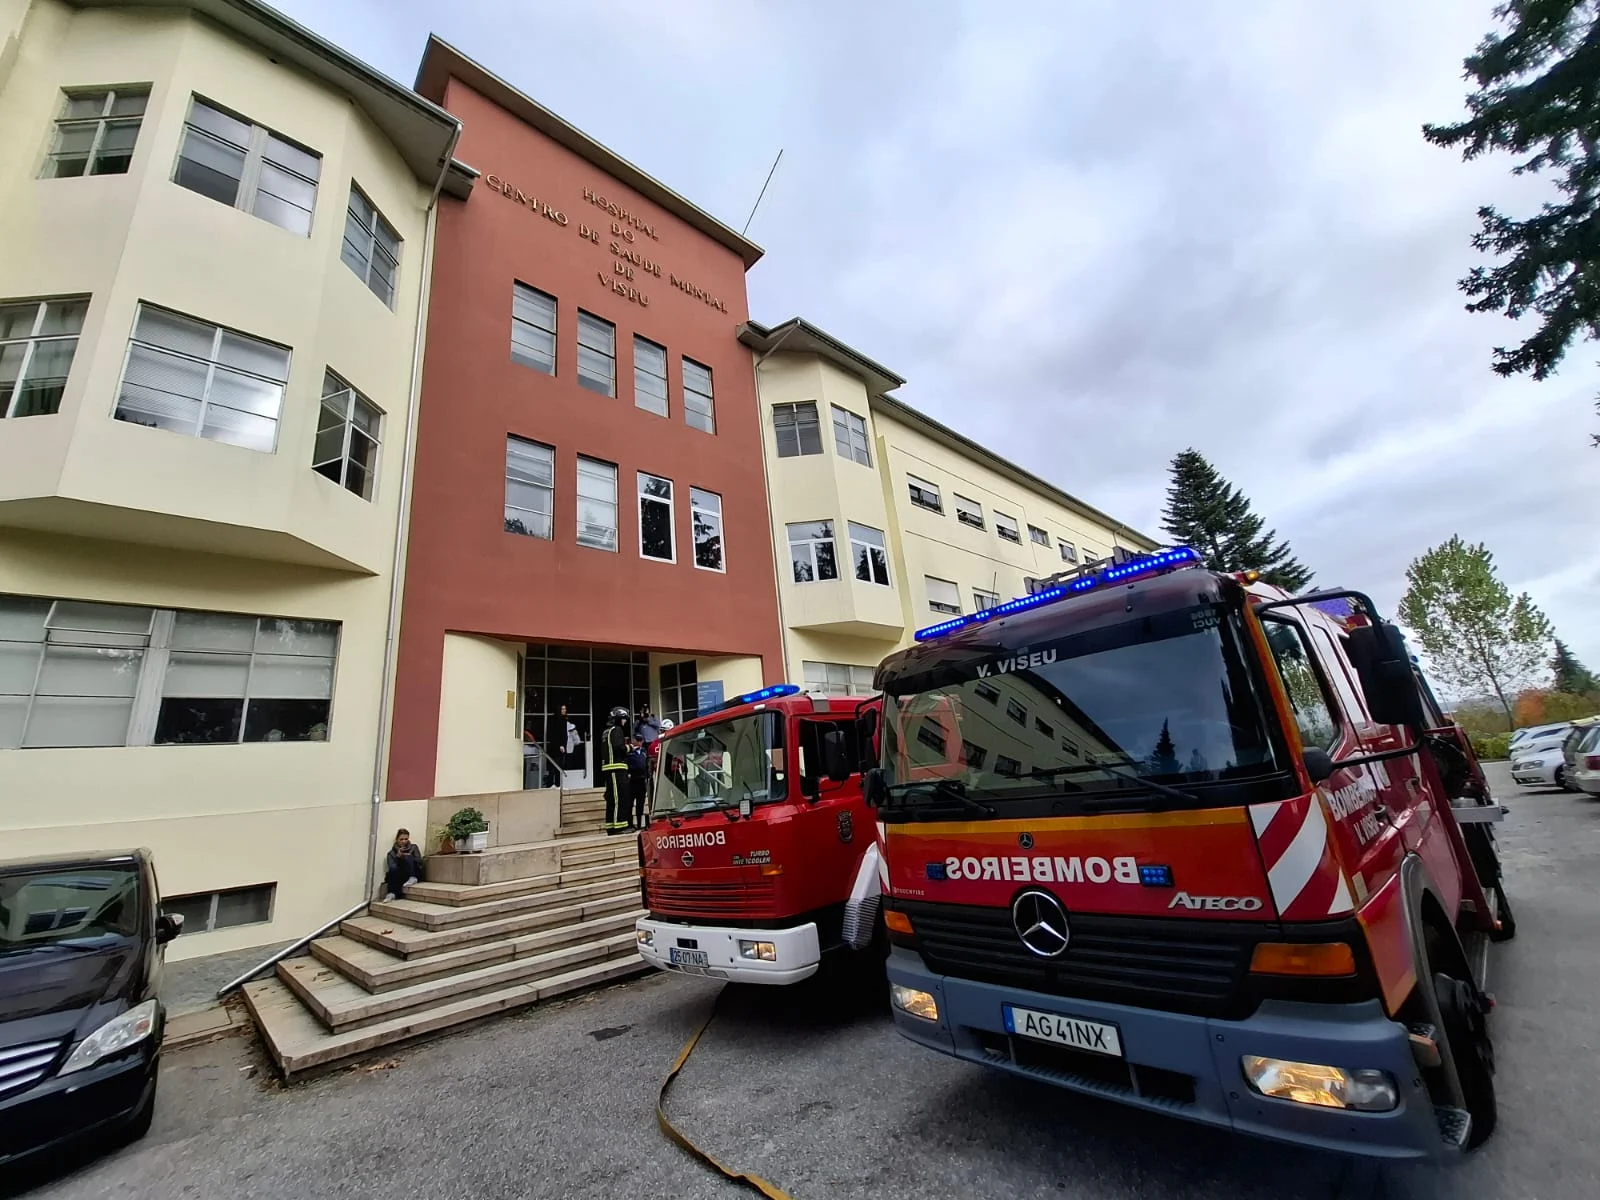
<point>464,822</point>
<point>1491,746</point>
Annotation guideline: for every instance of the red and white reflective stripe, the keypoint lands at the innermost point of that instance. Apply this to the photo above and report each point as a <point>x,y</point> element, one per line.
<point>1302,871</point>
<point>883,857</point>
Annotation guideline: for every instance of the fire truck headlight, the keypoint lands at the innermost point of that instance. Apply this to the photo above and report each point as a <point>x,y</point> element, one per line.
<point>1326,1087</point>
<point>910,1000</point>
<point>645,937</point>
<point>761,951</point>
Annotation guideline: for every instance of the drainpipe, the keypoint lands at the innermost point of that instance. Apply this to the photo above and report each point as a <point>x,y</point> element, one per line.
<point>402,532</point>
<point>777,574</point>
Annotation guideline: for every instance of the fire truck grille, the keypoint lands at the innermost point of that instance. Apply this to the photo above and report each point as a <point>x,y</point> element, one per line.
<point>730,898</point>
<point>1180,966</point>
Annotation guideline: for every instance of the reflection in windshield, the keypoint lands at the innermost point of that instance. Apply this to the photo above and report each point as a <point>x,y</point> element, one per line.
<point>54,907</point>
<point>720,765</point>
<point>1167,697</point>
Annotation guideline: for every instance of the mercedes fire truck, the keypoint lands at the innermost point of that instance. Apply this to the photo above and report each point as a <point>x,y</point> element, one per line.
<point>760,861</point>
<point>1176,838</point>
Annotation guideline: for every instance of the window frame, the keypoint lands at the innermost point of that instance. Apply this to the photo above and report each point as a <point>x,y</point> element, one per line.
<point>31,343</point>
<point>615,502</point>
<point>638,371</point>
<point>587,379</point>
<point>255,154</point>
<point>968,512</point>
<point>939,606</point>
<point>1338,720</point>
<point>549,488</point>
<point>353,398</point>
<point>531,358</point>
<point>1069,552</point>
<point>811,543</point>
<point>214,902</point>
<point>1006,528</point>
<point>101,124</point>
<point>984,600</point>
<point>932,500</point>
<point>670,503</point>
<point>690,410</point>
<point>793,411</point>
<point>380,225</point>
<point>696,508</point>
<point>882,546</point>
<point>1039,537</point>
<point>847,426</point>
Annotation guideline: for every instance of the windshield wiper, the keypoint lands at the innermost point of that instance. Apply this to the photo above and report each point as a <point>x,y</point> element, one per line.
<point>1117,771</point>
<point>943,789</point>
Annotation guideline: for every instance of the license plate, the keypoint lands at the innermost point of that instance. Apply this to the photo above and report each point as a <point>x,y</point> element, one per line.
<point>688,958</point>
<point>1093,1036</point>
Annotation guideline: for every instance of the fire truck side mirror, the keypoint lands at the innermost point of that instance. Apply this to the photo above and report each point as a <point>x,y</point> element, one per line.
<point>1319,763</point>
<point>835,762</point>
<point>1388,680</point>
<point>867,736</point>
<point>873,788</point>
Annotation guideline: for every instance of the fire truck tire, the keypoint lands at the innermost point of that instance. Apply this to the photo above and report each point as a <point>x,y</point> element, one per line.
<point>1466,1031</point>
<point>1508,919</point>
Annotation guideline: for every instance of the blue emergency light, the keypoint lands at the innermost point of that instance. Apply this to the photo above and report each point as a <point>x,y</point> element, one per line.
<point>1152,564</point>
<point>766,693</point>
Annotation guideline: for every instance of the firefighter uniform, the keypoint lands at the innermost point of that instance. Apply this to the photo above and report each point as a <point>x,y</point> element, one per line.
<point>614,770</point>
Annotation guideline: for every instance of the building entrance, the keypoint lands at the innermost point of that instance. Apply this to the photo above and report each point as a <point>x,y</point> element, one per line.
<point>588,682</point>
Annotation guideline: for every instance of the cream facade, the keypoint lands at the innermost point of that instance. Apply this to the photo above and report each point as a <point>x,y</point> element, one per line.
<point>197,298</point>
<point>885,521</point>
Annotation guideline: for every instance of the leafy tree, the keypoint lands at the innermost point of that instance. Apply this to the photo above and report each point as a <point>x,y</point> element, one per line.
<point>1476,634</point>
<point>1571,676</point>
<point>1208,513</point>
<point>1540,707</point>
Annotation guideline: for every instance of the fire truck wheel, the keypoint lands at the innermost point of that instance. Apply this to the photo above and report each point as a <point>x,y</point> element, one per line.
<point>1508,919</point>
<point>1466,1029</point>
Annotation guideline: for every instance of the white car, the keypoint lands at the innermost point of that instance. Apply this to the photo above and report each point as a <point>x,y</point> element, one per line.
<point>1539,765</point>
<point>1586,763</point>
<point>1524,739</point>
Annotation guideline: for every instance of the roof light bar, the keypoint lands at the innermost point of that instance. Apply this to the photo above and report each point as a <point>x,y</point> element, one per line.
<point>1152,564</point>
<point>766,693</point>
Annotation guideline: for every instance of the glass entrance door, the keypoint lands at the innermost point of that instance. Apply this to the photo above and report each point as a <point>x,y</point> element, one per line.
<point>589,682</point>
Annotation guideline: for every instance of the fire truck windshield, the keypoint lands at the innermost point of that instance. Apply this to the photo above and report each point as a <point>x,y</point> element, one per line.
<point>1103,714</point>
<point>717,766</point>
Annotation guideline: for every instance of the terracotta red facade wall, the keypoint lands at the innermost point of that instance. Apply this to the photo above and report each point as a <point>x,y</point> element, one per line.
<point>464,573</point>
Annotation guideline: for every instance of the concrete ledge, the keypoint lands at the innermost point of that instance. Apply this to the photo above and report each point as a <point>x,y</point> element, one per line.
<point>495,865</point>
<point>203,1025</point>
<point>515,818</point>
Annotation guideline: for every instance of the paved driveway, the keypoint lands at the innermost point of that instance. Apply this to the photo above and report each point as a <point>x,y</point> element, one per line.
<point>559,1102</point>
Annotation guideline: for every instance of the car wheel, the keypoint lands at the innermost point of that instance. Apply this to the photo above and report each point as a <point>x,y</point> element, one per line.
<point>1466,1031</point>
<point>1561,778</point>
<point>139,1124</point>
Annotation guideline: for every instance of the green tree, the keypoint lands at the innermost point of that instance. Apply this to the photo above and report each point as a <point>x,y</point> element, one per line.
<point>1476,634</point>
<point>1571,676</point>
<point>1206,512</point>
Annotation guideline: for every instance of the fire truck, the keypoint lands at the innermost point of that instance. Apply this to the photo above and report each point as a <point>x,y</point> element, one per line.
<point>1176,838</point>
<point>760,862</point>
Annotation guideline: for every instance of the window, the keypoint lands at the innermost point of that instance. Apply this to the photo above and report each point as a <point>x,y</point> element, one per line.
<point>931,736</point>
<point>203,912</point>
<point>925,494</point>
<point>973,755</point>
<point>837,679</point>
<point>231,679</point>
<point>37,341</point>
<point>95,133</point>
<point>811,552</point>
<point>1044,727</point>
<point>1313,711</point>
<point>1068,552</point>
<point>530,488</point>
<point>247,167</point>
<point>649,376</point>
<point>371,246</point>
<point>943,596</point>
<point>533,328</point>
<point>194,378</point>
<point>1088,555</point>
<point>986,691</point>
<point>346,449</point>
<point>1006,527</point>
<point>1008,767</point>
<point>655,518</point>
<point>74,673</point>
<point>1016,711</point>
<point>697,403</point>
<point>870,555</point>
<point>797,429</point>
<point>982,600</point>
<point>968,512</point>
<point>680,692</point>
<point>705,521</point>
<point>1038,535</point>
<point>850,436</point>
<point>597,354</point>
<point>597,504</point>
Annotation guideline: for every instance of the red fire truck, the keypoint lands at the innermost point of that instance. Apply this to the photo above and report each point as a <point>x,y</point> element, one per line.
<point>760,860</point>
<point>1176,838</point>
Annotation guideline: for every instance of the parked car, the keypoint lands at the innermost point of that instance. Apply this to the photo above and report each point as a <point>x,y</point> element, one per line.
<point>81,948</point>
<point>1584,772</point>
<point>1539,765</point>
<point>1569,749</point>
<point>1523,738</point>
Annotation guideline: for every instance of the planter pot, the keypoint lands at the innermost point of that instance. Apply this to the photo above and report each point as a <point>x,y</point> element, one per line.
<point>477,843</point>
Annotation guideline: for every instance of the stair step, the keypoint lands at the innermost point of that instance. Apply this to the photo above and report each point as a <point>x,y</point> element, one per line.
<point>341,1003</point>
<point>612,849</point>
<point>459,894</point>
<point>575,830</point>
<point>420,914</point>
<point>411,942</point>
<point>298,1042</point>
<point>378,970</point>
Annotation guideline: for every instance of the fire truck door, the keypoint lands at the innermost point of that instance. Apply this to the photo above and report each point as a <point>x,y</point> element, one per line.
<point>834,827</point>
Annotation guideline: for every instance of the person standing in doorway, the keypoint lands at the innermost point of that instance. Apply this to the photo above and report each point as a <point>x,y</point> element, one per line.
<point>614,768</point>
<point>561,739</point>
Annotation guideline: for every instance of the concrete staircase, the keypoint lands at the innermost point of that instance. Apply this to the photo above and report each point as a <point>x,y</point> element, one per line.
<point>582,812</point>
<point>523,924</point>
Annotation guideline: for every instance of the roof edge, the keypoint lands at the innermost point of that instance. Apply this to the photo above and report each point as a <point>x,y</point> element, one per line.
<point>763,340</point>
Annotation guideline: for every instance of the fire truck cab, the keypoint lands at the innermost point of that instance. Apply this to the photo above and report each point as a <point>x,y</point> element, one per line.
<point>1213,851</point>
<point>759,859</point>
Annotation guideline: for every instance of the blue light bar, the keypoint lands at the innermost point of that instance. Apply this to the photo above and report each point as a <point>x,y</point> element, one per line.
<point>766,693</point>
<point>1152,564</point>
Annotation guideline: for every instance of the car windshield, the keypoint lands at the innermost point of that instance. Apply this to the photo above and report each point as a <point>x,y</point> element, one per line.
<point>717,766</point>
<point>61,906</point>
<point>1165,699</point>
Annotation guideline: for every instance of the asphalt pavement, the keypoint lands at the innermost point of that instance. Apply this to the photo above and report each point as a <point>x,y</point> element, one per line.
<point>559,1101</point>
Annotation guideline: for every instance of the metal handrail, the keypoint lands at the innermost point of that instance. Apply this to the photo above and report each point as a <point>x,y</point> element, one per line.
<point>288,950</point>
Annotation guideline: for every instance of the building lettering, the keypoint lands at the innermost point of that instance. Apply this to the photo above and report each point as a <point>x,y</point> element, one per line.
<point>699,293</point>
<point>621,214</point>
<point>633,256</point>
<point>512,192</point>
<point>626,291</point>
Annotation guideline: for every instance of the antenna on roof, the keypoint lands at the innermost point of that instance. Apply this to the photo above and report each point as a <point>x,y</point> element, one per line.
<point>757,204</point>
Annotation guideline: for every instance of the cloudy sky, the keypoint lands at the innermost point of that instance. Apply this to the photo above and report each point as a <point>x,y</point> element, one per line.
<point>1091,234</point>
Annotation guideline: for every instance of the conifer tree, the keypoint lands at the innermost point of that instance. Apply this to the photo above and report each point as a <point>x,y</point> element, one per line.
<point>1204,511</point>
<point>1571,676</point>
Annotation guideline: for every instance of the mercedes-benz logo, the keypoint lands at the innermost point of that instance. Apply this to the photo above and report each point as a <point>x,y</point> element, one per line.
<point>1041,923</point>
<point>688,859</point>
<point>1025,840</point>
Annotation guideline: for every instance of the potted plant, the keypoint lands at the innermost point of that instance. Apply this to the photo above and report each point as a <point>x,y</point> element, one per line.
<point>447,844</point>
<point>468,829</point>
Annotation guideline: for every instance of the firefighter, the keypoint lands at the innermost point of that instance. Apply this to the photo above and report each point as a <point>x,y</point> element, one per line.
<point>614,769</point>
